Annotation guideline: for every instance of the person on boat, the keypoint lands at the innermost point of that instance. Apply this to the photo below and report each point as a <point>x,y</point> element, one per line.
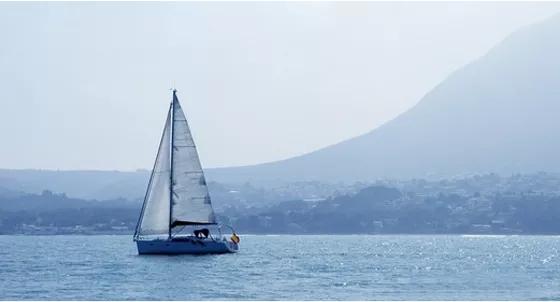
<point>234,238</point>
<point>202,233</point>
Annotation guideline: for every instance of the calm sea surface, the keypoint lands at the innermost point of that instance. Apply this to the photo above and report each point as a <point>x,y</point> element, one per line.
<point>285,267</point>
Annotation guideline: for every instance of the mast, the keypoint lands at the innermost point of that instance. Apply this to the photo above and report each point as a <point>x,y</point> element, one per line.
<point>171,164</point>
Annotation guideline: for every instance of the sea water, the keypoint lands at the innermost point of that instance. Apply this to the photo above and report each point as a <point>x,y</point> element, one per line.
<point>285,267</point>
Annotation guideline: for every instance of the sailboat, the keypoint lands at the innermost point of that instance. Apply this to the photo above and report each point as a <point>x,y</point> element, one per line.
<point>177,197</point>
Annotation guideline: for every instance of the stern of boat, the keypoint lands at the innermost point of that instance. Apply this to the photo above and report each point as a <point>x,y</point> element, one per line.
<point>232,246</point>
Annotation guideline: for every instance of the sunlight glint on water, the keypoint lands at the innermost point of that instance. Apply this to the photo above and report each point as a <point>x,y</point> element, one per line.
<point>285,267</point>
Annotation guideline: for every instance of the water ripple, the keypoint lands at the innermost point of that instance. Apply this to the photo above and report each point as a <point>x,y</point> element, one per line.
<point>285,267</point>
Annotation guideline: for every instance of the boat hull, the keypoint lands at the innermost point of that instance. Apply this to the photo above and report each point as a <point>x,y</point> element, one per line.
<point>185,246</point>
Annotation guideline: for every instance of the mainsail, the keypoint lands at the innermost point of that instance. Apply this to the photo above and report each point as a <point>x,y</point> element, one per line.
<point>177,193</point>
<point>190,199</point>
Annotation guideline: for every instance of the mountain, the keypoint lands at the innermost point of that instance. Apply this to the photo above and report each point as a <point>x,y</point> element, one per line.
<point>497,114</point>
<point>102,185</point>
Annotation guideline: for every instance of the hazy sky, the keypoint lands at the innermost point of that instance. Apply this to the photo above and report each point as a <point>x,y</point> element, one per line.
<point>86,85</point>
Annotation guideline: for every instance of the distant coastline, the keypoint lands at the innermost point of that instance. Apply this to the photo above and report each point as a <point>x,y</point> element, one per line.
<point>519,204</point>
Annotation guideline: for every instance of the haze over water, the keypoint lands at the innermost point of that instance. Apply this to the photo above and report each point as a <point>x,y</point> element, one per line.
<point>285,267</point>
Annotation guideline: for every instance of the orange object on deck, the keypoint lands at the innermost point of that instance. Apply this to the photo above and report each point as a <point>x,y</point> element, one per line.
<point>235,238</point>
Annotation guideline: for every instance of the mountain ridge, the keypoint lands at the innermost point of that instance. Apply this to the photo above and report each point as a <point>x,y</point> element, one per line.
<point>474,115</point>
<point>495,114</point>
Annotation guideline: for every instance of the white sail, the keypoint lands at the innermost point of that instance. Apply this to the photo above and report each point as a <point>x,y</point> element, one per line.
<point>154,219</point>
<point>190,199</point>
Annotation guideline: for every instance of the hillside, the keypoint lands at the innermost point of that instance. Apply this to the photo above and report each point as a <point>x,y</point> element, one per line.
<point>78,184</point>
<point>497,114</point>
<point>487,204</point>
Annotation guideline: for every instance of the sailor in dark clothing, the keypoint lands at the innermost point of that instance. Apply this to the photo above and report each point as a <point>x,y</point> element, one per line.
<point>202,233</point>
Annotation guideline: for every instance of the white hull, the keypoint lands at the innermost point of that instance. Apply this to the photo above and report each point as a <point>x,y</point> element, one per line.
<point>186,245</point>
